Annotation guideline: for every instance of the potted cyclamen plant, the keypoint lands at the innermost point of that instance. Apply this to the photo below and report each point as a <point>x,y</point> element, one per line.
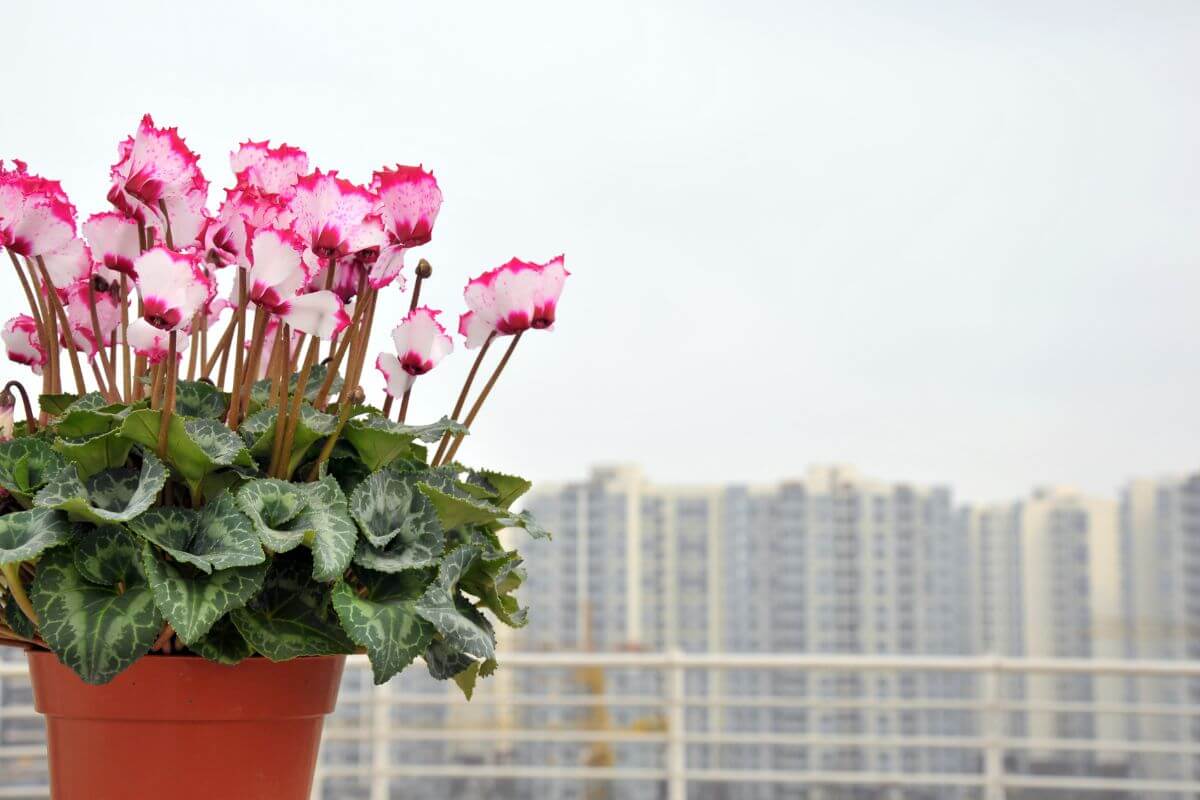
<point>191,544</point>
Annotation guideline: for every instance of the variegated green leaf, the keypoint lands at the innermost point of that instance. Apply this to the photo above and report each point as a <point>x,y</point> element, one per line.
<point>384,620</point>
<point>387,506</point>
<point>217,536</point>
<point>292,616</point>
<point>457,510</point>
<point>115,495</point>
<point>26,465</point>
<point>379,441</point>
<point>200,399</point>
<point>97,630</point>
<point>271,504</point>
<point>97,453</point>
<point>223,643</point>
<point>18,622</point>
<point>312,427</point>
<point>56,404</point>
<point>467,679</point>
<point>108,555</point>
<point>493,580</point>
<point>444,662</point>
<point>503,490</point>
<point>327,528</point>
<point>459,623</point>
<point>25,534</point>
<point>195,447</point>
<point>192,601</point>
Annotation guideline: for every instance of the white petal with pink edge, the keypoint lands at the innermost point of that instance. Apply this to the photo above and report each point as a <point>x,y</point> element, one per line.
<point>319,314</point>
<point>396,380</point>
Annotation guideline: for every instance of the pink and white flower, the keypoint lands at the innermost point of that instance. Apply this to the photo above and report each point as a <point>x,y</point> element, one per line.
<point>270,170</point>
<point>156,170</point>
<point>332,215</point>
<point>420,344</point>
<point>70,263</point>
<point>277,275</point>
<point>409,201</point>
<point>22,343</point>
<point>114,241</point>
<point>35,216</point>
<point>512,298</point>
<point>174,287</point>
<point>80,296</point>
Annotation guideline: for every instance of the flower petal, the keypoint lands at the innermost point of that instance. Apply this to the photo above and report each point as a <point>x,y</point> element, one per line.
<point>319,314</point>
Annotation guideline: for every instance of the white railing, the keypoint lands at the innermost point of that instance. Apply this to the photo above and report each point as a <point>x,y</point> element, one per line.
<point>552,718</point>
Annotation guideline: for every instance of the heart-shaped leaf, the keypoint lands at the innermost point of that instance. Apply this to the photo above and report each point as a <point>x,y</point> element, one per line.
<point>292,616</point>
<point>312,427</point>
<point>400,524</point>
<point>327,528</point>
<point>223,643</point>
<point>444,662</point>
<point>200,399</point>
<point>195,447</point>
<point>191,600</point>
<point>217,536</point>
<point>93,454</point>
<point>379,441</point>
<point>56,405</point>
<point>26,465</point>
<point>493,580</point>
<point>94,628</point>
<point>502,490</point>
<point>115,495</point>
<point>25,534</point>
<point>384,619</point>
<point>460,624</point>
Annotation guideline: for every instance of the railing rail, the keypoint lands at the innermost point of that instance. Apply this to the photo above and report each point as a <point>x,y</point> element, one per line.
<point>370,727</point>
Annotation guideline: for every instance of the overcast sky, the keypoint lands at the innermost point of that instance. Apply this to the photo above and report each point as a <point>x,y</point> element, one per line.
<point>945,244</point>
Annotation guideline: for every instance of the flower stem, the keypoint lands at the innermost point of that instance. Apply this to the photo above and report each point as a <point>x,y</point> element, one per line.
<point>278,370</point>
<point>462,398</point>
<point>487,389</point>
<point>126,366</point>
<point>293,417</point>
<point>162,206</point>
<point>109,370</point>
<point>12,574</point>
<point>68,332</point>
<point>244,379</point>
<point>30,422</point>
<point>170,374</point>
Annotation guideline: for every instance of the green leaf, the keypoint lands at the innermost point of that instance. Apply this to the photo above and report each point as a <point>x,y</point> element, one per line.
<point>26,465</point>
<point>493,580</point>
<point>387,505</point>
<point>218,536</point>
<point>503,490</point>
<point>292,616</point>
<point>223,644</point>
<point>444,662</point>
<point>271,504</point>
<point>25,534</point>
<point>109,555</point>
<point>97,630</point>
<point>56,404</point>
<point>401,527</point>
<point>379,441</point>
<point>463,628</point>
<point>17,620</point>
<point>260,392</point>
<point>312,427</point>
<point>195,447</point>
<point>385,619</point>
<point>455,511</point>
<point>525,520</point>
<point>97,453</point>
<point>115,495</point>
<point>200,399</point>
<point>192,601</point>
<point>467,678</point>
<point>327,528</point>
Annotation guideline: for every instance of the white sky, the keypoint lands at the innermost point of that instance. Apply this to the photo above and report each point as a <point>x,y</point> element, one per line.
<point>943,243</point>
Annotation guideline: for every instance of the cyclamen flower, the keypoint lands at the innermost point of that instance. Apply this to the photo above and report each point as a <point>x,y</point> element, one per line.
<point>114,241</point>
<point>174,287</point>
<point>21,341</point>
<point>276,277</point>
<point>156,169</point>
<point>270,170</point>
<point>515,297</point>
<point>79,299</point>
<point>70,263</point>
<point>409,201</point>
<point>420,344</point>
<point>35,216</point>
<point>332,215</point>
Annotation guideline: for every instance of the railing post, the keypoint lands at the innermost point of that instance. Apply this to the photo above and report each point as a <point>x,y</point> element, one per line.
<point>381,710</point>
<point>992,724</point>
<point>676,728</point>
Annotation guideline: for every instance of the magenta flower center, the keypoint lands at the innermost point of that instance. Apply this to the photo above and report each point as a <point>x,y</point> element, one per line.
<point>160,315</point>
<point>144,186</point>
<point>415,364</point>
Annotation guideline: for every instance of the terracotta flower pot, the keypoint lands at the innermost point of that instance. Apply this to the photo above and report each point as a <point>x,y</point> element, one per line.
<point>181,727</point>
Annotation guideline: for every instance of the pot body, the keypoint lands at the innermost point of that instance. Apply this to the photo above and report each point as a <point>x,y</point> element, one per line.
<point>185,728</point>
